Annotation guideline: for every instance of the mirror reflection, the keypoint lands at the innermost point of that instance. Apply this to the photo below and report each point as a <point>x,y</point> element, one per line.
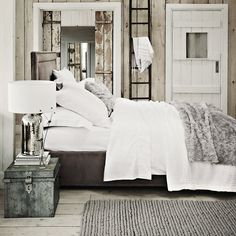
<point>83,40</point>
<point>78,51</point>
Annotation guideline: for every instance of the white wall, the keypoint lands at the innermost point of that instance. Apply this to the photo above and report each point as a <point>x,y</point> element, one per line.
<point>7,73</point>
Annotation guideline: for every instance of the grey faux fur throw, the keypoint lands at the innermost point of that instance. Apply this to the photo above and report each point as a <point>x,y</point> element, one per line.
<point>210,135</point>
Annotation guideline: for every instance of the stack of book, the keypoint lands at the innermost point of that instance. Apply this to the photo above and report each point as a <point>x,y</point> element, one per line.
<point>32,160</point>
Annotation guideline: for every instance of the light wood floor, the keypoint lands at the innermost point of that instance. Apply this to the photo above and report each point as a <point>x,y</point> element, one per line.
<point>69,211</point>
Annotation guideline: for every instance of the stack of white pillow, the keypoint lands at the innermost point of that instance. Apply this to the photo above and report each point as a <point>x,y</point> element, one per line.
<point>78,106</point>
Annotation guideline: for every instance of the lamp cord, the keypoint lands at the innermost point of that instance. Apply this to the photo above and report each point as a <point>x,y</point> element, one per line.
<point>48,125</point>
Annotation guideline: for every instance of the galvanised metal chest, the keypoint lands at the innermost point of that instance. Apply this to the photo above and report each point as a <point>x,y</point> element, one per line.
<point>31,191</point>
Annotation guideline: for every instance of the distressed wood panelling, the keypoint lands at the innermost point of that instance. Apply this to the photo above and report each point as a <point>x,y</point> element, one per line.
<point>46,1</point>
<point>126,49</point>
<point>201,1</point>
<point>99,47</point>
<point>77,72</point>
<point>71,57</point>
<point>52,33</point>
<point>28,37</point>
<point>103,47</point>
<point>74,63</point>
<point>215,1</point>
<point>20,42</point>
<point>232,58</point>
<point>158,39</point>
<point>186,1</point>
<point>20,47</point>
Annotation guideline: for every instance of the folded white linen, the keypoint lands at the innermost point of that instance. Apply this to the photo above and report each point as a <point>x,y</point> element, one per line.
<point>143,52</point>
<point>147,138</point>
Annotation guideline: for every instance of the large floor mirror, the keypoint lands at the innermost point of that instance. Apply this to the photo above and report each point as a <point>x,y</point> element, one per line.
<point>86,37</point>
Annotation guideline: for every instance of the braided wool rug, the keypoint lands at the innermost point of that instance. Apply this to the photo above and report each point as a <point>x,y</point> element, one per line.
<point>159,217</point>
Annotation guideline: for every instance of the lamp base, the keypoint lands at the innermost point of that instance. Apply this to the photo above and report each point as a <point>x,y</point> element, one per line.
<point>32,135</point>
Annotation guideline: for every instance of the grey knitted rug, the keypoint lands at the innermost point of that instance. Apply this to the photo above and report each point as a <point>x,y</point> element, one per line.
<point>159,217</point>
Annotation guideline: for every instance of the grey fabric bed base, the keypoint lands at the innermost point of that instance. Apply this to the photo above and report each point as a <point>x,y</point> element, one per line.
<point>85,169</point>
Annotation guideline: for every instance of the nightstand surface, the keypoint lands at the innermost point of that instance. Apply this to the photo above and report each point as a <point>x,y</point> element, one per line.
<point>48,171</point>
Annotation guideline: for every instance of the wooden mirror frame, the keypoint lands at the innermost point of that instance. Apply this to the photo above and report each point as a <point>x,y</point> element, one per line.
<point>38,8</point>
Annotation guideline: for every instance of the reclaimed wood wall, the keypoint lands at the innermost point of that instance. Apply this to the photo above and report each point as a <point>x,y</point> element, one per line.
<point>24,43</point>
<point>74,63</point>
<point>103,47</point>
<point>52,33</point>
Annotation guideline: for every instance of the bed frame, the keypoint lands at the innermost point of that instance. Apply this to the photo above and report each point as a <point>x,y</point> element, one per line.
<point>84,168</point>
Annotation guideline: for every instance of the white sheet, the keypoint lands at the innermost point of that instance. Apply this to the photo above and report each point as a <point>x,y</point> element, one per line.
<point>77,139</point>
<point>147,138</point>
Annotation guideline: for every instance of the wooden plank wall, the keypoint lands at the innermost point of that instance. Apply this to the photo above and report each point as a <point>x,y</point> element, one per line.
<point>24,43</point>
<point>103,47</point>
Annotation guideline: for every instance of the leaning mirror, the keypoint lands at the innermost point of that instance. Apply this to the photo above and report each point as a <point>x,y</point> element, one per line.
<point>86,38</point>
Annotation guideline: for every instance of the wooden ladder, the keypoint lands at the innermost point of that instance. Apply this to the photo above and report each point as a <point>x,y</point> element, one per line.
<point>138,83</point>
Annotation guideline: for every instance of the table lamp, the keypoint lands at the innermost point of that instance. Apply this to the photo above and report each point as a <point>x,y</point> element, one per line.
<point>32,98</point>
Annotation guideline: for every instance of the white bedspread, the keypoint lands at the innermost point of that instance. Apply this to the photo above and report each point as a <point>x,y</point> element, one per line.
<point>147,138</point>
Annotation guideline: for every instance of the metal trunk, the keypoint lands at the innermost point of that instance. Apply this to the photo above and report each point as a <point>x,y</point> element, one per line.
<point>31,191</point>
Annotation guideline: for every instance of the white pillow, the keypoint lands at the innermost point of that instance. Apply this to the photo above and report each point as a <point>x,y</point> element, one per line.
<point>82,82</point>
<point>65,118</point>
<point>64,76</point>
<point>81,101</point>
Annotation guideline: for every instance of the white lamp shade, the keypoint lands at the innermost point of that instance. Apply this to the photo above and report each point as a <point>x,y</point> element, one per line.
<point>31,96</point>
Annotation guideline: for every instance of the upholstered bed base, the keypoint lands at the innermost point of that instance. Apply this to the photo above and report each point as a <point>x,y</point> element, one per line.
<point>85,169</point>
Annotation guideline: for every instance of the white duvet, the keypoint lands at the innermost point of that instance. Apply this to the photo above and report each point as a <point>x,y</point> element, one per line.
<point>147,138</point>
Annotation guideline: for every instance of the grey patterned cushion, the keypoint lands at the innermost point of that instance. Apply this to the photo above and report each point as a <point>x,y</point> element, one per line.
<point>102,92</point>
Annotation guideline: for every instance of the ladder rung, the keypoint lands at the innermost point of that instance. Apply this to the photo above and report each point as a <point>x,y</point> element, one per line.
<point>139,8</point>
<point>136,68</point>
<point>139,23</point>
<point>140,98</point>
<point>139,82</point>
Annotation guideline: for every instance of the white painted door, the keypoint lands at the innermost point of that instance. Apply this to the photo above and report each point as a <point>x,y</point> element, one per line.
<point>199,55</point>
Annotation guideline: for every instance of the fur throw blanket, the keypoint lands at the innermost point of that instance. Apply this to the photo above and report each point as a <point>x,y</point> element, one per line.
<point>210,135</point>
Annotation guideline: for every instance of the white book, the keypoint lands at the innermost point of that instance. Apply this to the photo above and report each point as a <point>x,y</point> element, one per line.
<point>20,155</point>
<point>37,162</point>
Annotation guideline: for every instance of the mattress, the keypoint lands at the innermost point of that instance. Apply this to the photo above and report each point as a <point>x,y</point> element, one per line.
<point>76,139</point>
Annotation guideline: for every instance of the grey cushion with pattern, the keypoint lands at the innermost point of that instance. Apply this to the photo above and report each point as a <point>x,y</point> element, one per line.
<point>102,92</point>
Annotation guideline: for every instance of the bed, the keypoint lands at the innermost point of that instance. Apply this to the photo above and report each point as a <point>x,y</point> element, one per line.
<point>82,168</point>
<point>147,144</point>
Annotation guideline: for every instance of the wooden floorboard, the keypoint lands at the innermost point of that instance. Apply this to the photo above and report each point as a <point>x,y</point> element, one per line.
<point>40,231</point>
<point>58,221</point>
<point>68,218</point>
<point>69,209</point>
<point>74,196</point>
